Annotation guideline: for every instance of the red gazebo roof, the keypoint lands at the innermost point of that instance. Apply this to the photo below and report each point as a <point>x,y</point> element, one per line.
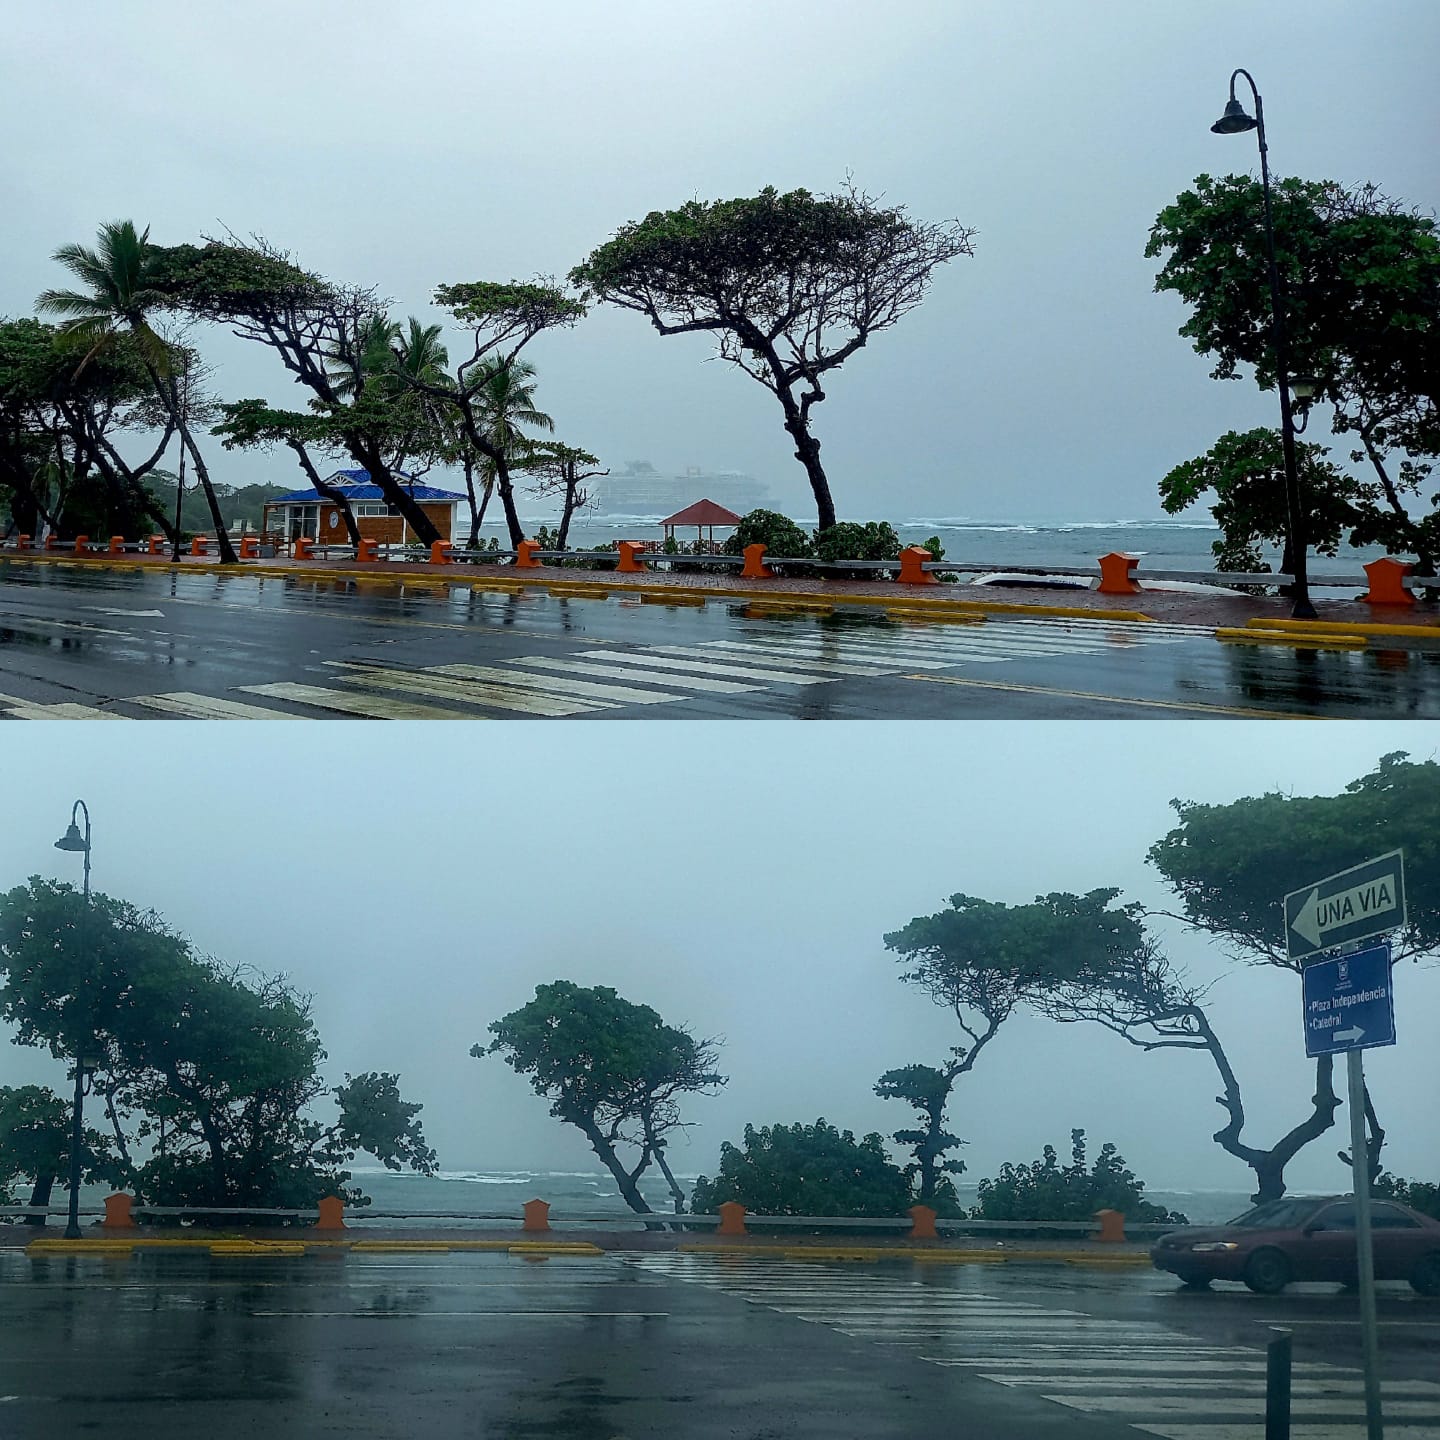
<point>703,512</point>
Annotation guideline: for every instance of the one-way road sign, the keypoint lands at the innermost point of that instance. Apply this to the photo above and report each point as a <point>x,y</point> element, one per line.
<point>1365,900</point>
<point>1349,1004</point>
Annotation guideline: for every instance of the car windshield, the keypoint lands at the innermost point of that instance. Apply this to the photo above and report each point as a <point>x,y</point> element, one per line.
<point>1275,1215</point>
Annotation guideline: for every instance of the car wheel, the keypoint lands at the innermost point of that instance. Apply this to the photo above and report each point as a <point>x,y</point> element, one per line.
<point>1425,1277</point>
<point>1268,1272</point>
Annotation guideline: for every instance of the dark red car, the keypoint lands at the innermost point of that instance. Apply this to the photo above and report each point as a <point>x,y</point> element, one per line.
<point>1304,1239</point>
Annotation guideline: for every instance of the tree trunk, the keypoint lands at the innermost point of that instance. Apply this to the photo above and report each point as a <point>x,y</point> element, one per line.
<point>629,1190</point>
<point>507,500</point>
<point>40,1196</point>
<point>807,452</point>
<point>474,541</point>
<point>572,486</point>
<point>1392,497</point>
<point>394,492</point>
<point>333,493</point>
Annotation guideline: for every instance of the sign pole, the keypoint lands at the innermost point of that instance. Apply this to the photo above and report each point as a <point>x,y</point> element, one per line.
<point>1364,1248</point>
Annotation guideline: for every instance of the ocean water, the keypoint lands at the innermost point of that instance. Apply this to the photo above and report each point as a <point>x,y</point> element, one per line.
<point>579,1196</point>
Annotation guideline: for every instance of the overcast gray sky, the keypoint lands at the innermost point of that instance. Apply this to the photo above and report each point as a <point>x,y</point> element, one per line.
<point>402,146</point>
<point>479,861</point>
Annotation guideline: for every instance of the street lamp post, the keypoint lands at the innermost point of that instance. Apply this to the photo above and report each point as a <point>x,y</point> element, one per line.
<point>1233,122</point>
<point>72,839</point>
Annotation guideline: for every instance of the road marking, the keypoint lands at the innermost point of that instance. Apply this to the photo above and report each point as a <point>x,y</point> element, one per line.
<point>457,1314</point>
<point>495,697</point>
<point>147,614</point>
<point>648,656</point>
<point>1164,1367</point>
<point>787,655</point>
<point>580,688</point>
<point>372,707</point>
<point>1242,1405</point>
<point>1195,708</point>
<point>1297,1432</point>
<point>210,707</point>
<point>649,677</point>
<point>1238,1385</point>
<point>19,709</point>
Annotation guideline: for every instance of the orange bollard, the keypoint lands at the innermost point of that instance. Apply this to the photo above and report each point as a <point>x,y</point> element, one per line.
<point>332,1213</point>
<point>537,1215</point>
<point>912,560</point>
<point>249,547</point>
<point>755,566</point>
<point>440,552</point>
<point>630,563</point>
<point>155,545</point>
<point>923,1223</point>
<point>1387,582</point>
<point>732,1218</point>
<point>117,544</point>
<point>525,555</point>
<point>22,542</point>
<point>304,548</point>
<point>82,544</point>
<point>117,1212</point>
<point>198,545</point>
<point>1112,1227</point>
<point>1115,576</point>
<point>368,549</point>
<point>51,543</point>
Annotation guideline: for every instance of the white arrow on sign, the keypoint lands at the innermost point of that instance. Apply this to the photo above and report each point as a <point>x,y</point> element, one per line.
<point>1374,897</point>
<point>1353,1033</point>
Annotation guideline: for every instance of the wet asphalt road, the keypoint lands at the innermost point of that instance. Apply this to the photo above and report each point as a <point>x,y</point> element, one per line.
<point>84,643</point>
<point>617,1348</point>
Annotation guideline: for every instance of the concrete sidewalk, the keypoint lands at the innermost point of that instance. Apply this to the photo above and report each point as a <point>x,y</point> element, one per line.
<point>1420,622</point>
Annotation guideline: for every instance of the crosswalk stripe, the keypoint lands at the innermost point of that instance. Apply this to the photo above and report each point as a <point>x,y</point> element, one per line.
<point>1164,1367</point>
<point>1256,1431</point>
<point>648,677</point>
<point>372,707</point>
<point>497,697</point>
<point>772,655</point>
<point>648,656</point>
<point>584,690</point>
<point>1161,1405</point>
<point>1235,1385</point>
<point>19,709</point>
<point>929,658</point>
<point>191,706</point>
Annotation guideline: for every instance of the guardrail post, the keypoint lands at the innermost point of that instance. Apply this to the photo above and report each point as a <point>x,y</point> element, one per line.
<point>332,1213</point>
<point>922,1223</point>
<point>1387,582</point>
<point>732,1218</point>
<point>1277,1385</point>
<point>1115,576</point>
<point>117,1212</point>
<point>199,545</point>
<point>367,548</point>
<point>755,566</point>
<point>440,552</point>
<point>155,545</point>
<point>525,555</point>
<point>304,548</point>
<point>82,544</point>
<point>249,547</point>
<point>912,571</point>
<point>537,1215</point>
<point>630,562</point>
<point>1112,1227</point>
<point>117,545</point>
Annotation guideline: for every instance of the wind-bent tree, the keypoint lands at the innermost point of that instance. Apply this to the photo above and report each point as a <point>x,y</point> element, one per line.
<point>1361,277</point>
<point>928,1090</point>
<point>222,1071</point>
<point>791,286</point>
<point>325,335</point>
<point>558,469</point>
<point>123,274</point>
<point>1230,865</point>
<point>613,1069</point>
<point>35,1147</point>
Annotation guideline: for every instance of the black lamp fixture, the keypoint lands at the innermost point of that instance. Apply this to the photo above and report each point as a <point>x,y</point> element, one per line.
<point>78,843</point>
<point>1235,121</point>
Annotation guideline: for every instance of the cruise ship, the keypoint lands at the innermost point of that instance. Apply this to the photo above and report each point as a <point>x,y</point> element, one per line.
<point>640,489</point>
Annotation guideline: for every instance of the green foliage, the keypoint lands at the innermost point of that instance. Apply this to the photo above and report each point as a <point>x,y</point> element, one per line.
<point>225,282</point>
<point>1421,1195</point>
<point>781,536</point>
<point>936,549</point>
<point>35,1145</point>
<point>1046,1190</point>
<point>805,1170</point>
<point>510,309</point>
<point>928,1091</point>
<point>850,540</point>
<point>1231,863</point>
<point>239,505</point>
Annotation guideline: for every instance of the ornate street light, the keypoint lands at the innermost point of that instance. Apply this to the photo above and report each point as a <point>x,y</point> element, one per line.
<point>1235,121</point>
<point>73,840</point>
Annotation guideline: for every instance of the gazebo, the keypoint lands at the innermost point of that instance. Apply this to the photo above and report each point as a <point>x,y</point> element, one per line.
<point>703,515</point>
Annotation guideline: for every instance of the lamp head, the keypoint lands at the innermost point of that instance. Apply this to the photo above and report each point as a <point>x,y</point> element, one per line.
<point>72,839</point>
<point>1305,389</point>
<point>1235,120</point>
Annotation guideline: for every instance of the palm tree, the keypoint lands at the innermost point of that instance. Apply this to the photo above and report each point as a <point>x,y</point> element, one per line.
<point>503,394</point>
<point>122,274</point>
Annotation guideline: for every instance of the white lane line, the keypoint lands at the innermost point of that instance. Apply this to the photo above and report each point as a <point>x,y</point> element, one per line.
<point>145,614</point>
<point>705,667</point>
<point>208,707</point>
<point>498,697</point>
<point>770,654</point>
<point>20,709</point>
<point>931,659</point>
<point>458,1314</point>
<point>580,688</point>
<point>1297,1432</point>
<point>372,707</point>
<point>1139,1367</point>
<point>1242,1386</point>
<point>1160,1405</point>
<point>14,620</point>
<point>647,677</point>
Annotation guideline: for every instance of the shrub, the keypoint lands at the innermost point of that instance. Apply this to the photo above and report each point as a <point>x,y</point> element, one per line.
<point>850,540</point>
<point>780,536</point>
<point>1043,1190</point>
<point>933,545</point>
<point>1419,1195</point>
<point>805,1170</point>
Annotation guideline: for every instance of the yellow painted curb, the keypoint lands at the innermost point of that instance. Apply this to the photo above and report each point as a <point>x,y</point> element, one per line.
<point>665,597</point>
<point>577,592</point>
<point>1312,640</point>
<point>955,617</point>
<point>1363,627</point>
<point>558,1247</point>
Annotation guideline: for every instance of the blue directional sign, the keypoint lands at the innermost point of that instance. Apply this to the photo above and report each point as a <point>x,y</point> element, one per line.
<point>1349,1004</point>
